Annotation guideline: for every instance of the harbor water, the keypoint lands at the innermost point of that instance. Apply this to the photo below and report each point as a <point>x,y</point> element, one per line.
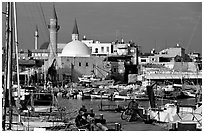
<point>72,105</point>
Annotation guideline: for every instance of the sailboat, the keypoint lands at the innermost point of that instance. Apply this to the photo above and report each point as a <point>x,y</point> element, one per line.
<point>11,114</point>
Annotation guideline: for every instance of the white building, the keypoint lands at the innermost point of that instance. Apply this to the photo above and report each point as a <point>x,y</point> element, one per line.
<point>98,48</point>
<point>164,56</point>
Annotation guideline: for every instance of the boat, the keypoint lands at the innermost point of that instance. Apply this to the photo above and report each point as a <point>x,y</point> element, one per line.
<point>130,97</point>
<point>119,97</point>
<point>187,91</point>
<point>8,99</point>
<point>42,102</point>
<point>100,95</point>
<point>103,83</point>
<point>174,91</point>
<point>13,117</point>
<point>42,111</point>
<point>175,113</point>
<point>88,79</point>
<point>188,94</point>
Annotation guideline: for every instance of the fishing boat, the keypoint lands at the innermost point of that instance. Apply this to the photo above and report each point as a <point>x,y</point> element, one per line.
<point>100,95</point>
<point>138,98</point>
<point>187,91</point>
<point>175,91</point>
<point>126,95</point>
<point>188,94</point>
<point>88,79</point>
<point>41,102</point>
<point>119,97</point>
<point>103,83</point>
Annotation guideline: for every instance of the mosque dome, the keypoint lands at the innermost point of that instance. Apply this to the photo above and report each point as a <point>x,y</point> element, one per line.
<point>76,48</point>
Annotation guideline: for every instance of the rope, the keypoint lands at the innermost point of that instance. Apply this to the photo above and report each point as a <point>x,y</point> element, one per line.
<point>44,35</point>
<point>194,30</point>
<point>100,72</point>
<point>44,20</point>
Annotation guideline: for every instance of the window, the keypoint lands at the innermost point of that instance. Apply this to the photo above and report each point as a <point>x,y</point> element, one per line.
<point>79,63</point>
<point>143,60</point>
<point>107,49</point>
<point>112,49</point>
<point>96,50</point>
<point>163,59</point>
<point>87,64</point>
<point>102,49</point>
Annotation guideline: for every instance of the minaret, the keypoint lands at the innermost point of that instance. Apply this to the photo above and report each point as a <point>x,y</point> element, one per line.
<point>75,32</point>
<point>36,37</point>
<point>53,27</point>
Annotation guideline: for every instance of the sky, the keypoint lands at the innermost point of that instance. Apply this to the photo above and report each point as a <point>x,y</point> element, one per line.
<point>151,25</point>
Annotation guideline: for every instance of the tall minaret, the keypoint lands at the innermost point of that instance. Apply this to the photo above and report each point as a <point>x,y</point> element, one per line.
<point>36,37</point>
<point>53,27</point>
<point>75,32</point>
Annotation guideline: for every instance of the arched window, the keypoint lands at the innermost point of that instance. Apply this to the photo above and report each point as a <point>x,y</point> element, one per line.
<point>96,50</point>
<point>102,49</point>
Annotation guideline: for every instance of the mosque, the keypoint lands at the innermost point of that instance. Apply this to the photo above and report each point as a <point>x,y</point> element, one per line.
<point>75,58</point>
<point>114,60</point>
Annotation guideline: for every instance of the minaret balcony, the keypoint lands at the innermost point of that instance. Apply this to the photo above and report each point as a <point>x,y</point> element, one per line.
<point>57,27</point>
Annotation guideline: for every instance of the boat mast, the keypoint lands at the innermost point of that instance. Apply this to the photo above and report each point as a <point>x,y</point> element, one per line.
<point>9,63</point>
<point>5,68</point>
<point>17,64</point>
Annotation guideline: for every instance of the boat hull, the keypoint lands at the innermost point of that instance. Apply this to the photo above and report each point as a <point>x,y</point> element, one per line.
<point>96,96</point>
<point>119,97</point>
